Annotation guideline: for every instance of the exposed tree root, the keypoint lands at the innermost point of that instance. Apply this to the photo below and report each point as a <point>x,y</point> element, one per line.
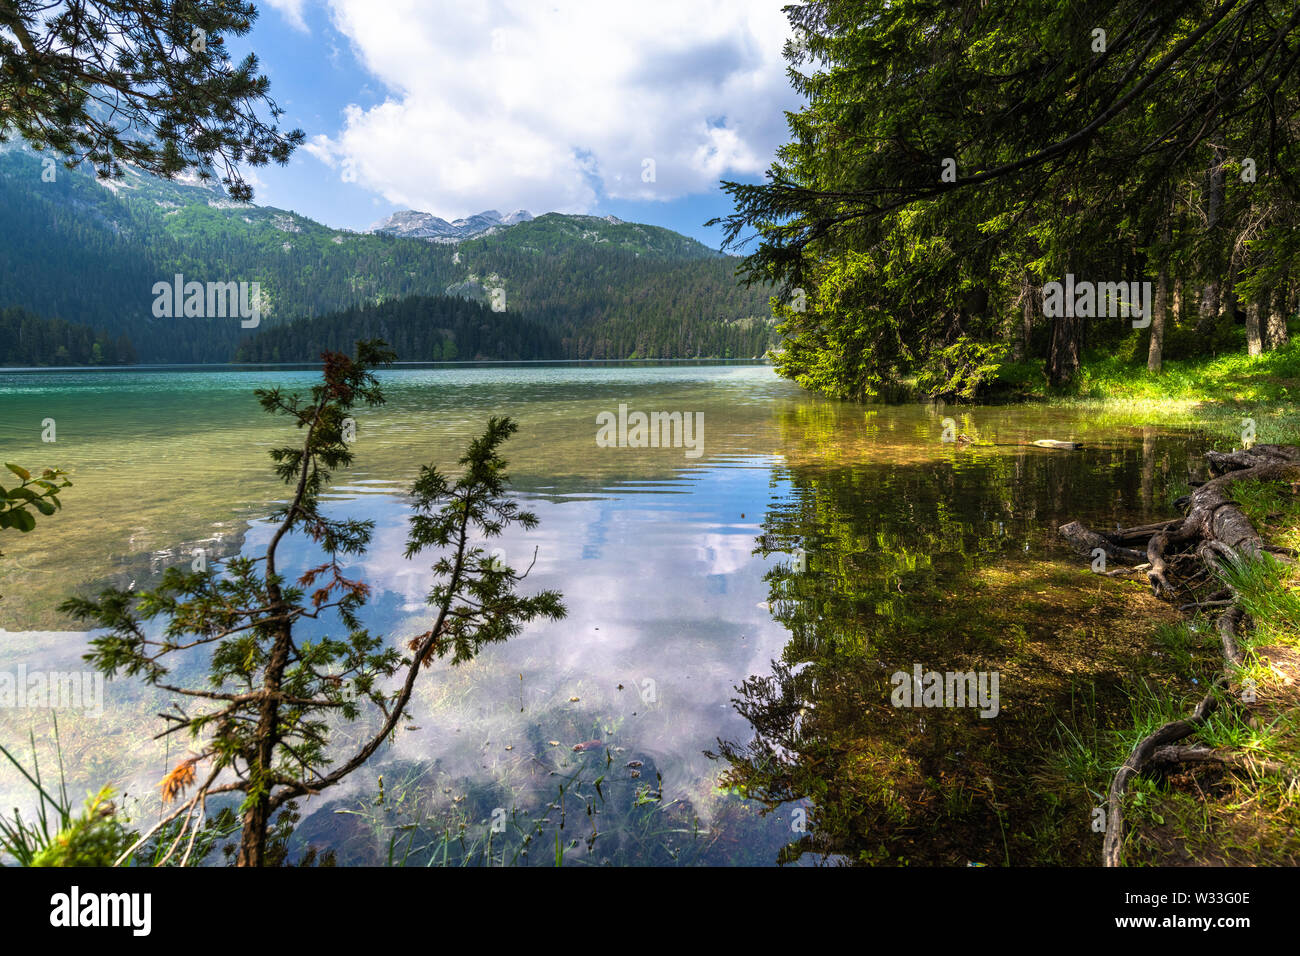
<point>1173,755</point>
<point>1214,531</point>
<point>1140,756</point>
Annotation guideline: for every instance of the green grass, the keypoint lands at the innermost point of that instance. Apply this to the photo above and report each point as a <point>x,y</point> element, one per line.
<point>1211,393</point>
<point>1213,815</point>
<point>54,836</point>
<point>1261,586</point>
<point>1236,377</point>
<point>23,841</point>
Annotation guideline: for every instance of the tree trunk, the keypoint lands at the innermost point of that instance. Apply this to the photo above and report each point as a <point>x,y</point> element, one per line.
<point>1231,304</point>
<point>257,818</point>
<point>1277,334</point>
<point>1063,354</point>
<point>252,835</point>
<point>1254,339</point>
<point>1156,345</point>
<point>1027,316</point>
<point>1208,319</point>
<point>1211,289</point>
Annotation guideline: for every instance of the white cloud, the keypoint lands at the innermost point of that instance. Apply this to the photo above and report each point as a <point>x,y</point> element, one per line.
<point>291,10</point>
<point>511,103</point>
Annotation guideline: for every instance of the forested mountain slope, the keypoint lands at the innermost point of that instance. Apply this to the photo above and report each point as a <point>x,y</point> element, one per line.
<point>91,252</point>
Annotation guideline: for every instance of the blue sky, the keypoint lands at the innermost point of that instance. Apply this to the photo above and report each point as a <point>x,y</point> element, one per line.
<point>448,107</point>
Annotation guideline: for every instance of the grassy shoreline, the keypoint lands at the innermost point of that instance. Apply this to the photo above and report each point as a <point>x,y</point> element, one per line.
<point>1206,815</point>
<point>1213,394</point>
<point>1211,815</point>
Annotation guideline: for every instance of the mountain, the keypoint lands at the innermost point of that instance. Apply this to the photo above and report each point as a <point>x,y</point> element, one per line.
<point>548,231</point>
<point>91,253</point>
<point>555,231</point>
<point>409,224</point>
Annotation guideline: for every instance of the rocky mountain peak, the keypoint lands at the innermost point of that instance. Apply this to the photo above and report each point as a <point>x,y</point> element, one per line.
<point>412,224</point>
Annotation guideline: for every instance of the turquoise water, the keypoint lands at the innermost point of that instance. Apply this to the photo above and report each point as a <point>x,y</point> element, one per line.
<point>678,572</point>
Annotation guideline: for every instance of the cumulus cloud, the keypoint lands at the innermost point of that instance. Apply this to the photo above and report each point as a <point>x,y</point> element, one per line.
<point>291,10</point>
<point>516,104</point>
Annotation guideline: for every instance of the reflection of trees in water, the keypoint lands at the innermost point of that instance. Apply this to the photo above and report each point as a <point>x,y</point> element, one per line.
<point>894,554</point>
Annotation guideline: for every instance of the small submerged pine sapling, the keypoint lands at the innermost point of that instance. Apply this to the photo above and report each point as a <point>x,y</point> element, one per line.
<point>260,719</point>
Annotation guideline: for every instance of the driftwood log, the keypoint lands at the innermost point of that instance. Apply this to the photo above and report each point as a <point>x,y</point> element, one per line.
<point>1213,531</point>
<point>964,439</point>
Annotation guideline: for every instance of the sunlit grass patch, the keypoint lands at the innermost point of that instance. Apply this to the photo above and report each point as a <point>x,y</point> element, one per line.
<point>1210,394</point>
<point>1235,377</point>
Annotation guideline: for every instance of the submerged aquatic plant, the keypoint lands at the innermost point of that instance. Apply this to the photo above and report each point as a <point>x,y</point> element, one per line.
<point>54,836</point>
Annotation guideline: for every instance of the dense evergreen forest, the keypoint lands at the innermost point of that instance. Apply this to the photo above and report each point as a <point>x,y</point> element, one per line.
<point>618,303</point>
<point>446,328</point>
<point>92,253</point>
<point>88,252</point>
<point>27,339</point>
<point>420,329</point>
<point>953,161</point>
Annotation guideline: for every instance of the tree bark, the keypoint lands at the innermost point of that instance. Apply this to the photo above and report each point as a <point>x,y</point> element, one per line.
<point>1211,288</point>
<point>257,818</point>
<point>1156,347</point>
<point>1276,334</point>
<point>1254,329</point>
<point>1063,355</point>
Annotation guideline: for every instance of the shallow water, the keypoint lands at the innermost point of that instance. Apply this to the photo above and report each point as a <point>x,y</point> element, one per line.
<point>749,603</point>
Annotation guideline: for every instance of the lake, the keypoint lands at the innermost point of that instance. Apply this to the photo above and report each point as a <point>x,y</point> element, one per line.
<point>736,610</point>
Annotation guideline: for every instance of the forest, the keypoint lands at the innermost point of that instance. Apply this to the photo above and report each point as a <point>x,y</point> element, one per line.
<point>421,329</point>
<point>1091,203</point>
<point>26,339</point>
<point>951,162</point>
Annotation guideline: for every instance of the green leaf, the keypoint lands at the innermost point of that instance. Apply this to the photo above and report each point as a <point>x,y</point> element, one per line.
<point>44,507</point>
<point>25,494</point>
<point>22,473</point>
<point>22,520</point>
